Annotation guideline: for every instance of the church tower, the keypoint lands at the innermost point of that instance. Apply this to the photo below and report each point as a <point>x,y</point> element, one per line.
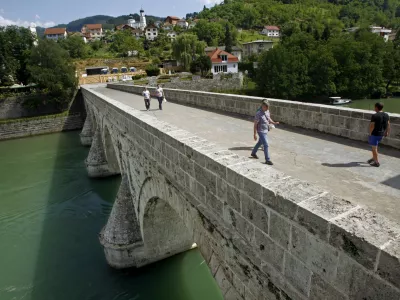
<point>142,23</point>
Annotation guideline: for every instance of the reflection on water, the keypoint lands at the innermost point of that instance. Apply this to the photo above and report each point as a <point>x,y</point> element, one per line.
<point>391,104</point>
<point>50,217</point>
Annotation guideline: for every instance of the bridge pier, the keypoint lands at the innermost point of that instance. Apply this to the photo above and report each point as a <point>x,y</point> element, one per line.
<point>96,163</point>
<point>87,132</point>
<point>121,237</point>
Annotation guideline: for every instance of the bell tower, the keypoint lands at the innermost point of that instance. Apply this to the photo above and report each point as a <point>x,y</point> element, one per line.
<point>142,23</point>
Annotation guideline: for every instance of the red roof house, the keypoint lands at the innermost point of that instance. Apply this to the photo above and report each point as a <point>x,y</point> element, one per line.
<point>223,62</point>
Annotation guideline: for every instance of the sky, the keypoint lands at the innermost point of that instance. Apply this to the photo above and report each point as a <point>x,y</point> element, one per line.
<point>47,13</point>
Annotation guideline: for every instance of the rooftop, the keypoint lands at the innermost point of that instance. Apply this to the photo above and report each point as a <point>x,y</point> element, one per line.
<point>55,31</point>
<point>272,27</point>
<point>258,41</point>
<point>215,56</point>
<point>94,26</point>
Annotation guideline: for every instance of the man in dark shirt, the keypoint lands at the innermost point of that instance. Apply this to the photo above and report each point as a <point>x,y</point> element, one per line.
<point>379,127</point>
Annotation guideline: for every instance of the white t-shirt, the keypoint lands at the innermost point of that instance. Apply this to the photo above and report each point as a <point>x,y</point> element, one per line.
<point>146,94</point>
<point>160,92</point>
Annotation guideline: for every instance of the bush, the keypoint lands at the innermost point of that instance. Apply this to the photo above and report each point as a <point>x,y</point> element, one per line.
<point>138,76</point>
<point>152,70</point>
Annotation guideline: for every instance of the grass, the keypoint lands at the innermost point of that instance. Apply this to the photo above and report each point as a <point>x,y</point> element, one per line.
<point>252,35</point>
<point>8,121</point>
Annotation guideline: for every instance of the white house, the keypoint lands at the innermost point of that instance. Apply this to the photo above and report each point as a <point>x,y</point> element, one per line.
<point>382,31</point>
<point>172,35</point>
<point>271,31</point>
<point>236,51</point>
<point>55,33</point>
<point>92,32</point>
<point>151,32</point>
<point>182,23</point>
<point>256,47</point>
<point>223,62</point>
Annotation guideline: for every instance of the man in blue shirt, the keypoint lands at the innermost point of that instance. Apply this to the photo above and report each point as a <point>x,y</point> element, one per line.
<point>262,123</point>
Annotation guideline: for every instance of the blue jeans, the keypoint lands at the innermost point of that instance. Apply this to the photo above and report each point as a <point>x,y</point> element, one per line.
<point>263,140</point>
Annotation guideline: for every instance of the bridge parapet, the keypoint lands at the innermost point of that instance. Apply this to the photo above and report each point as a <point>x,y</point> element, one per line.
<point>263,234</point>
<point>340,121</point>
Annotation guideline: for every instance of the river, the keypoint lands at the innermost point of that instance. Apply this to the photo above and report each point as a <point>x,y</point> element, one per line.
<point>391,104</point>
<point>50,217</point>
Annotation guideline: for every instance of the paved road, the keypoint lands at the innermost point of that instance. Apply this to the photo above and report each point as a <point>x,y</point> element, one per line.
<point>333,163</point>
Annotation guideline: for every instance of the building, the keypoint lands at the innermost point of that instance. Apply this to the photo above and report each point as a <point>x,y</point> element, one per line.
<point>92,32</point>
<point>151,32</point>
<point>183,23</point>
<point>33,31</point>
<point>136,32</point>
<point>172,35</point>
<point>55,33</point>
<point>256,47</point>
<point>172,20</point>
<point>386,33</point>
<point>382,31</point>
<point>192,25</point>
<point>271,31</point>
<point>78,34</point>
<point>223,62</point>
<point>168,26</point>
<point>236,51</point>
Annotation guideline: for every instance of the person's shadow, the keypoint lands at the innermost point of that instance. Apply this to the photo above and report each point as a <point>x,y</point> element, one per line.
<point>348,165</point>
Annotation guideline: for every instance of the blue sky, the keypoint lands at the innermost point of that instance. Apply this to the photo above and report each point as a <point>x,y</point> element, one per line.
<point>47,13</point>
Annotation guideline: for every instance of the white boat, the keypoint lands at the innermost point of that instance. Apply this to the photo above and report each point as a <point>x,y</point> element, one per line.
<point>339,101</point>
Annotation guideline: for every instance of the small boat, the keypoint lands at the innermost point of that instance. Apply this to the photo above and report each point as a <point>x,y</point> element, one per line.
<point>339,101</point>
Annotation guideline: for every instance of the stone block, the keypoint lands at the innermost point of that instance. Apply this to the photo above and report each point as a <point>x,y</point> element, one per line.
<point>269,251</point>
<point>233,198</point>
<point>284,195</point>
<point>238,286</point>
<point>255,212</point>
<point>222,187</point>
<point>222,281</point>
<point>314,214</point>
<point>389,263</point>
<point>232,294</point>
<point>215,167</point>
<point>244,227</point>
<point>206,178</point>
<point>186,164</point>
<point>320,289</point>
<point>214,264</point>
<point>214,203</point>
<point>297,274</point>
<point>279,229</point>
<point>317,255</point>
<point>361,233</point>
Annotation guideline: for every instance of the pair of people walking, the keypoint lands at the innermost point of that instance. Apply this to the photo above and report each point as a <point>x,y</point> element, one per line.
<point>159,93</point>
<point>378,129</point>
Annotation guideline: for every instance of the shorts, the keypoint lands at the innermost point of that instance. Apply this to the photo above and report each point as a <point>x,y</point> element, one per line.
<point>374,140</point>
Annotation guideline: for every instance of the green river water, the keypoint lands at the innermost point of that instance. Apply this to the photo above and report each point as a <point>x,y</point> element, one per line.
<point>50,217</point>
<point>391,104</point>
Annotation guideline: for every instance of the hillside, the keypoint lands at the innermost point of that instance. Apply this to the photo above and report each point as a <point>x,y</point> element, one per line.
<point>108,21</point>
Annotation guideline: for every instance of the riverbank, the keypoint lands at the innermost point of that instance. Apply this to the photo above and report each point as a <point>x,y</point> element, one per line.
<point>391,104</point>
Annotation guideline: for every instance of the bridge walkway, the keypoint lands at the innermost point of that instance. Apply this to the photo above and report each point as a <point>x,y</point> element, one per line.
<point>337,165</point>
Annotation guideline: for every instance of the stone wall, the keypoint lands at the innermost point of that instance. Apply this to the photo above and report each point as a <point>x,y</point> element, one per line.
<point>18,107</point>
<point>340,121</point>
<point>263,234</point>
<point>73,119</point>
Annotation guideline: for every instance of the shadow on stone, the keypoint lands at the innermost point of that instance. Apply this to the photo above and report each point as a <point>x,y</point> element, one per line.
<point>393,182</point>
<point>348,165</point>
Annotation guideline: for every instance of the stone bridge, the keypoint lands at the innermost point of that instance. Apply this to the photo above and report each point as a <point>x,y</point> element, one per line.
<point>263,234</point>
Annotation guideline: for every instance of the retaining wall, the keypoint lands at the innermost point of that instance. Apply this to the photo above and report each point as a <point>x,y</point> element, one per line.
<point>73,119</point>
<point>339,121</point>
<point>270,236</point>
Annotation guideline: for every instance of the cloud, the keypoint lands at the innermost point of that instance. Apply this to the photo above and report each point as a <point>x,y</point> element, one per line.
<point>210,2</point>
<point>37,17</point>
<point>22,23</point>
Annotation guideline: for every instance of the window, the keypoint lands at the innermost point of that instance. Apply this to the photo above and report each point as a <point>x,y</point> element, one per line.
<point>224,57</point>
<point>154,29</point>
<point>219,69</point>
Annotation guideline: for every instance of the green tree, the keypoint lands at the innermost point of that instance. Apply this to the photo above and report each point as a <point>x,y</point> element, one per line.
<point>186,48</point>
<point>15,45</point>
<point>202,63</point>
<point>228,39</point>
<point>75,46</point>
<point>125,42</point>
<point>51,68</point>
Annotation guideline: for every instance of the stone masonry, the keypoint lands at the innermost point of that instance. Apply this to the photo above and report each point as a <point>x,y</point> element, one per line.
<point>340,121</point>
<point>263,234</point>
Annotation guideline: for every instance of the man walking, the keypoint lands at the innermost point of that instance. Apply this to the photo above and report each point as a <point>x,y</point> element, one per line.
<point>160,96</point>
<point>146,95</point>
<point>262,123</point>
<point>378,128</point>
